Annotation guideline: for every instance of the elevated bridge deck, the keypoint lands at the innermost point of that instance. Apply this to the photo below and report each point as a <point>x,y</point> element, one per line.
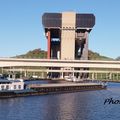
<point>97,69</point>
<point>7,62</point>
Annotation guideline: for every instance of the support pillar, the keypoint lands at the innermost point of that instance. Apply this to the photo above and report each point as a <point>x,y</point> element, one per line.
<point>21,74</point>
<point>85,49</point>
<point>25,73</point>
<point>110,76</point>
<point>49,42</point>
<point>42,74</point>
<point>61,75</point>
<point>2,70</point>
<point>73,73</point>
<point>101,76</point>
<point>13,76</point>
<point>117,76</point>
<point>93,76</point>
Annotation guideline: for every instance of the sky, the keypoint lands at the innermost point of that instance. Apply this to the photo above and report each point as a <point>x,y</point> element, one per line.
<point>21,26</point>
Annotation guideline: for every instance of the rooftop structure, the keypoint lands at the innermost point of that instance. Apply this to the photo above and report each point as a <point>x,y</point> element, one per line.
<point>11,85</point>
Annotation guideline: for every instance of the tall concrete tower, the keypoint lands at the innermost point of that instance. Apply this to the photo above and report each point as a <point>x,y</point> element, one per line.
<point>67,34</point>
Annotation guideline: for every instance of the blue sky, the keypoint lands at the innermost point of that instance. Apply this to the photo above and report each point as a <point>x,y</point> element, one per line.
<point>21,27</point>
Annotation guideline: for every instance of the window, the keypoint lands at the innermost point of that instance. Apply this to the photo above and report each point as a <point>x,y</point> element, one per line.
<point>19,86</point>
<point>14,86</point>
<point>2,87</point>
<point>7,87</point>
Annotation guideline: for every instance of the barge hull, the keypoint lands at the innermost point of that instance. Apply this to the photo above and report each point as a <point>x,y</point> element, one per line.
<point>51,89</point>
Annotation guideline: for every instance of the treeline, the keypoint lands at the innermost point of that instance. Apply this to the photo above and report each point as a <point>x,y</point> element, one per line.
<point>38,53</point>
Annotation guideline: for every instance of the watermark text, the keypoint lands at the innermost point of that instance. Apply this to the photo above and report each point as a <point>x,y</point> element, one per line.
<point>109,101</point>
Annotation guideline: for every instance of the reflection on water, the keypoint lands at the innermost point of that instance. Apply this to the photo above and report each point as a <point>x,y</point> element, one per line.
<point>88,105</point>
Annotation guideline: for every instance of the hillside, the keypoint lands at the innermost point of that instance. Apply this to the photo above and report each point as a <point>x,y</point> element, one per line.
<point>38,53</point>
<point>118,58</point>
<point>96,56</point>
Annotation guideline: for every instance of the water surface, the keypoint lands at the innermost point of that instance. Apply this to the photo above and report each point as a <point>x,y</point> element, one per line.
<point>88,105</point>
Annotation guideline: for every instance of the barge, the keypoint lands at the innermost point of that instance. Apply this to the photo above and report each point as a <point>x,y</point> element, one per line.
<point>66,87</point>
<point>17,88</point>
<point>43,89</point>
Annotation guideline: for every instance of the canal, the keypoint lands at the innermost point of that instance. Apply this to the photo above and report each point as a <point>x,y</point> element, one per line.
<point>87,105</point>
